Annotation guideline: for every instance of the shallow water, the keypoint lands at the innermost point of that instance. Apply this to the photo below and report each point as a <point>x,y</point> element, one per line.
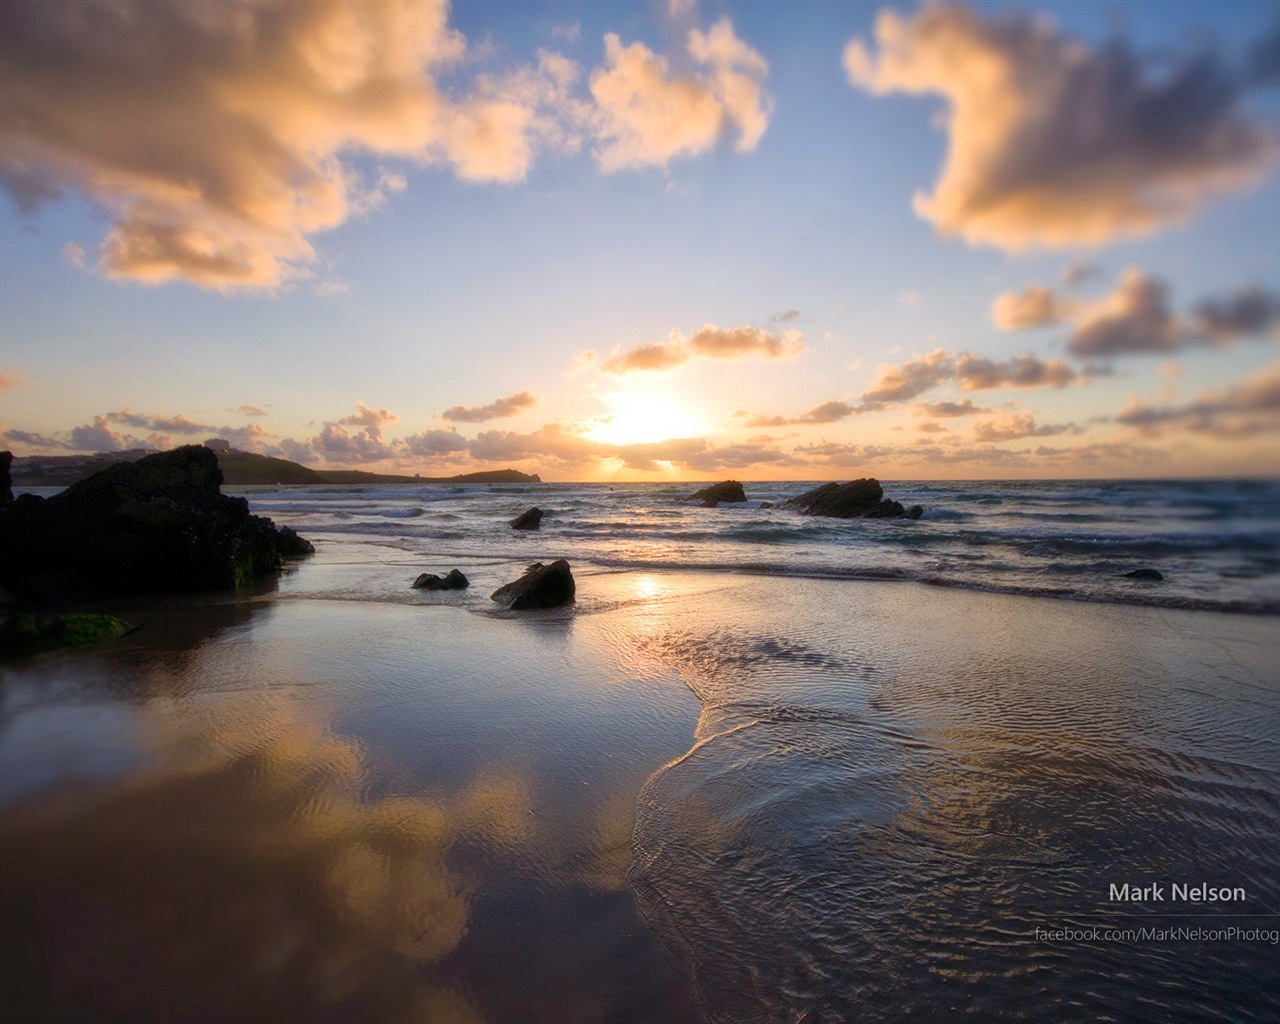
<point>694,795</point>
<point>1217,543</point>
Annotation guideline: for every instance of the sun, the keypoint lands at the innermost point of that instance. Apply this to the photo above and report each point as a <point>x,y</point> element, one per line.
<point>637,417</point>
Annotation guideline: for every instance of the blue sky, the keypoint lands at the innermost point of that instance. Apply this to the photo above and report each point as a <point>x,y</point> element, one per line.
<point>379,247</point>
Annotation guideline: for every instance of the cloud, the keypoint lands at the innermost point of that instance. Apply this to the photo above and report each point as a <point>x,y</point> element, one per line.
<point>648,113</point>
<point>1015,425</point>
<point>970,371</point>
<point>1078,272</point>
<point>827,412</point>
<point>901,383</point>
<point>503,407</point>
<point>1137,319</point>
<point>785,317</point>
<point>219,139</point>
<point>1245,410</point>
<point>1248,311</point>
<point>710,342</point>
<point>565,446</point>
<point>334,442</point>
<point>975,373</point>
<point>947,410</point>
<point>250,410</point>
<point>434,443</point>
<point>367,416</point>
<point>14,438</point>
<point>10,381</point>
<point>1034,306</point>
<point>1052,144</point>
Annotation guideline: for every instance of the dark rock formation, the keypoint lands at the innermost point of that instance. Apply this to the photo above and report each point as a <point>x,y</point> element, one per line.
<point>158,524</point>
<point>726,490</point>
<point>452,580</point>
<point>858,499</point>
<point>529,519</point>
<point>293,546</point>
<point>1154,575</point>
<point>6,484</point>
<point>542,586</point>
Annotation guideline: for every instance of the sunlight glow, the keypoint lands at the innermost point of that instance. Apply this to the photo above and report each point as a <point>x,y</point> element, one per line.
<point>637,417</point>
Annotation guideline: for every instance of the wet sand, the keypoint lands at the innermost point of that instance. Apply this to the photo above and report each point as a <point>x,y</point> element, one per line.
<point>694,795</point>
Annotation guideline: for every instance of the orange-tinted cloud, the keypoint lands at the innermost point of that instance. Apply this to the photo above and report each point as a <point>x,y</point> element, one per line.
<point>649,113</point>
<point>1137,317</point>
<point>971,372</point>
<point>1051,144</point>
<point>1014,425</point>
<point>947,410</point>
<point>826,412</point>
<point>10,381</point>
<point>217,136</point>
<point>1246,410</point>
<point>710,342</point>
<point>499,409</point>
<point>367,416</point>
<point>1034,306</point>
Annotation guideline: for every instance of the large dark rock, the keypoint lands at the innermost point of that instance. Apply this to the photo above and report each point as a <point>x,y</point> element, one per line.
<point>542,586</point>
<point>726,490</point>
<point>529,519</point>
<point>858,499</point>
<point>158,524</point>
<point>452,580</point>
<point>6,482</point>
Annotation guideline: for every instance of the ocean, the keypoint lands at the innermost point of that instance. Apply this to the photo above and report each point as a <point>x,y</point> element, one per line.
<point>766,768</point>
<point>1216,543</point>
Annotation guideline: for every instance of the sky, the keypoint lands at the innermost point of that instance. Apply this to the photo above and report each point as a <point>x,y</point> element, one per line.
<point>656,240</point>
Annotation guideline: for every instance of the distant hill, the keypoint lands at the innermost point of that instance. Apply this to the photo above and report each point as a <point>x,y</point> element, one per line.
<point>241,469</point>
<point>488,476</point>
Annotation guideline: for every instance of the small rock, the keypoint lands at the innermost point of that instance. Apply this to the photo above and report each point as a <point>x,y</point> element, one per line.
<point>452,580</point>
<point>914,512</point>
<point>727,490</point>
<point>542,586</point>
<point>1145,574</point>
<point>529,519</point>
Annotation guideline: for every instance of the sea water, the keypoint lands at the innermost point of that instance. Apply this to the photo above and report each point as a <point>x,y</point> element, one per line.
<point>1216,543</point>
<point>766,768</point>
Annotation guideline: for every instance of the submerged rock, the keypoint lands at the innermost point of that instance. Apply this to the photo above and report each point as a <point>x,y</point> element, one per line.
<point>529,519</point>
<point>452,580</point>
<point>542,586</point>
<point>1154,575</point>
<point>727,490</point>
<point>858,499</point>
<point>159,524</point>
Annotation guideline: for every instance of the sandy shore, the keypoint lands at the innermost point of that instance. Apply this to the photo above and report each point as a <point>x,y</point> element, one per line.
<point>335,809</point>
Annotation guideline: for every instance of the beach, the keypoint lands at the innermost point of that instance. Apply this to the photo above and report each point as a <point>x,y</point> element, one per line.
<point>711,792</point>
